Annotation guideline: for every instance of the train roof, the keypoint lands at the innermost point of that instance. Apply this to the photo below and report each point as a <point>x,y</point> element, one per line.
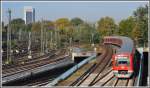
<point>127,44</point>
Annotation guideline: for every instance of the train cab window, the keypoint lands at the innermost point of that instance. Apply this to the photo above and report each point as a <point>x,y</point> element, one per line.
<point>122,62</point>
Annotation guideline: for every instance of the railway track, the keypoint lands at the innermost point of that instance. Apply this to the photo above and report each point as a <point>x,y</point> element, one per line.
<point>43,78</point>
<point>18,60</point>
<point>97,75</point>
<point>108,79</point>
<point>33,64</point>
<point>102,61</point>
<point>40,81</point>
<point>23,51</point>
<point>90,72</point>
<point>76,76</point>
<point>25,60</point>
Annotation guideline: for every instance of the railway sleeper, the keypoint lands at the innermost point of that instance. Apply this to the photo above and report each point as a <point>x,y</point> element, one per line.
<point>104,80</point>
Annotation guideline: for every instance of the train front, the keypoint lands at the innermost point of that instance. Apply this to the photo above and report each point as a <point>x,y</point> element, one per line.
<point>122,66</point>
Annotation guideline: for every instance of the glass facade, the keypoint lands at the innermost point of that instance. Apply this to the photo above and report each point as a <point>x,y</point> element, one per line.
<point>29,17</point>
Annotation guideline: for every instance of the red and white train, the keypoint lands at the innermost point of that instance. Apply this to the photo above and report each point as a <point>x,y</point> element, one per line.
<point>125,60</point>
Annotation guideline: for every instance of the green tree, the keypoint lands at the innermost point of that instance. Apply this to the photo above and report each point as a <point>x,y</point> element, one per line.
<point>136,33</point>
<point>106,26</point>
<point>76,21</point>
<point>36,27</point>
<point>126,26</point>
<point>49,25</point>
<point>141,16</point>
<point>62,24</point>
<point>63,28</point>
<point>84,33</point>
<point>3,27</point>
<point>17,27</point>
<point>28,27</point>
<point>36,30</point>
<point>17,24</point>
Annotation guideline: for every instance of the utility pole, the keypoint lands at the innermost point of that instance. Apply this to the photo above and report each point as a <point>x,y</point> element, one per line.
<point>55,39</point>
<point>20,31</point>
<point>79,37</point>
<point>70,43</point>
<point>58,39</point>
<point>29,46</point>
<point>92,42</point>
<point>46,42</point>
<point>44,37</point>
<point>9,37</point>
<point>42,48</point>
<point>51,40</point>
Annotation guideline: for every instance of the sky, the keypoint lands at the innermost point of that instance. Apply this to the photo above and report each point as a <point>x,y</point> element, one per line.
<point>88,11</point>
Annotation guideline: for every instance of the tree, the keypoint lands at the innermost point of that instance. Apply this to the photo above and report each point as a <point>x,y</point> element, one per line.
<point>2,24</point>
<point>17,24</point>
<point>17,21</point>
<point>16,27</point>
<point>84,33</point>
<point>136,33</point>
<point>126,26</point>
<point>106,26</point>
<point>63,28</point>
<point>76,21</point>
<point>36,27</point>
<point>141,16</point>
<point>3,27</point>
<point>141,13</point>
<point>36,30</point>
<point>62,23</point>
<point>29,27</point>
<point>49,25</point>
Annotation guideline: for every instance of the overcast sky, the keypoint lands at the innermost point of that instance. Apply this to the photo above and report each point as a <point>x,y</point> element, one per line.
<point>88,11</point>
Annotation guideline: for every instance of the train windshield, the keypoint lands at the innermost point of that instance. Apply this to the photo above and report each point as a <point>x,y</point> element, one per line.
<point>122,61</point>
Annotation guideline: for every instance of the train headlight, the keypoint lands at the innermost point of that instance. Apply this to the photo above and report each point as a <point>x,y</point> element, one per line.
<point>122,67</point>
<point>130,71</point>
<point>115,72</point>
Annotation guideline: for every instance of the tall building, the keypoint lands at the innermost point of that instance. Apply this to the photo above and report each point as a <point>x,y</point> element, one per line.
<point>29,14</point>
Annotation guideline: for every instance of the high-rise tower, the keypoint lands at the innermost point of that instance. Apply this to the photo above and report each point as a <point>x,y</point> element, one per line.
<point>29,14</point>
